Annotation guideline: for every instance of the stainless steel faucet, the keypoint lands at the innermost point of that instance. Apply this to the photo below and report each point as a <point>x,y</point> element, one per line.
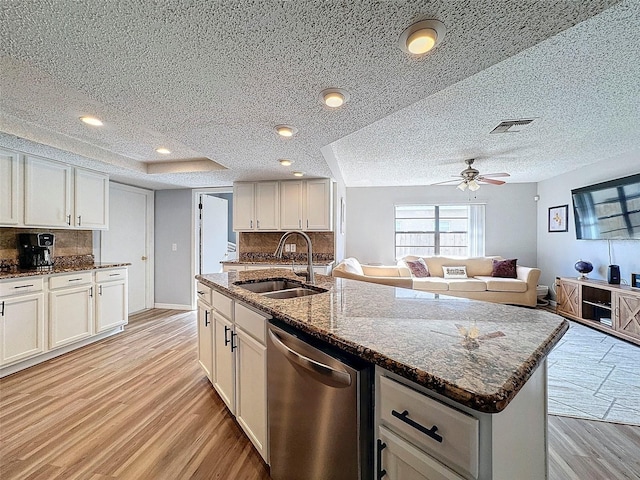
<point>278,253</point>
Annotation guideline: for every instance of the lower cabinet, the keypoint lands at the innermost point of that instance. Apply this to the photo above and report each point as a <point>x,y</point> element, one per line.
<point>111,305</point>
<point>225,365</point>
<point>21,327</point>
<point>205,339</point>
<point>70,315</point>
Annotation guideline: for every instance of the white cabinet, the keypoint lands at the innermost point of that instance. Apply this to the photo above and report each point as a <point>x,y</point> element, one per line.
<point>21,320</point>
<point>59,195</point>
<point>256,206</point>
<point>10,203</point>
<point>111,299</point>
<point>91,200</point>
<point>70,308</point>
<point>306,205</point>
<point>225,365</point>
<point>47,193</point>
<point>205,331</point>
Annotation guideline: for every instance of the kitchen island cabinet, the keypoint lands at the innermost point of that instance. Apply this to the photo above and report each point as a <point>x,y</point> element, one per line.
<point>485,361</point>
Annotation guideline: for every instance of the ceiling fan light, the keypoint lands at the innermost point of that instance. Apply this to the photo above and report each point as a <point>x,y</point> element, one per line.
<point>463,186</point>
<point>473,185</point>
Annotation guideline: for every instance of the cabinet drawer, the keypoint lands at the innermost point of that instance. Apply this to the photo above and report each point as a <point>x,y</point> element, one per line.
<point>408,412</point>
<point>110,275</point>
<point>204,293</point>
<point>222,304</point>
<point>21,286</point>
<point>251,322</point>
<point>70,280</point>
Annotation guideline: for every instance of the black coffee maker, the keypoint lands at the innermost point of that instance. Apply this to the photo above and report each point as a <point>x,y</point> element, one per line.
<point>36,250</point>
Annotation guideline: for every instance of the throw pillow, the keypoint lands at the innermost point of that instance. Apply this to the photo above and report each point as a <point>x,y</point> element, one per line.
<point>455,272</point>
<point>505,268</point>
<point>418,268</point>
<point>352,265</point>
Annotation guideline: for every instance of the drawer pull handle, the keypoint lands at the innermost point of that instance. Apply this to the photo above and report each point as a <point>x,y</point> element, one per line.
<point>404,416</point>
<point>200,292</point>
<point>206,318</point>
<point>75,279</point>
<point>379,471</point>
<point>2,313</point>
<point>114,274</point>
<point>24,286</point>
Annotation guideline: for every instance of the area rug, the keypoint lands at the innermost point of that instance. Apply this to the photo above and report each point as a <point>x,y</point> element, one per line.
<point>594,376</point>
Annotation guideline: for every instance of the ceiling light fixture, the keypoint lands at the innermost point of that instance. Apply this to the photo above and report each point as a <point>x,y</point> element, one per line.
<point>93,121</point>
<point>334,97</point>
<point>463,186</point>
<point>285,162</point>
<point>286,130</point>
<point>298,174</point>
<point>421,37</point>
<point>163,151</point>
<point>473,185</point>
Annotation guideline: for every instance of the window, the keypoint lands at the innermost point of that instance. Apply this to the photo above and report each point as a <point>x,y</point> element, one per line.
<point>440,230</point>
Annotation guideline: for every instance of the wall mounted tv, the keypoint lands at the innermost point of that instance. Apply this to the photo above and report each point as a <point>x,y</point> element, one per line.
<point>608,210</point>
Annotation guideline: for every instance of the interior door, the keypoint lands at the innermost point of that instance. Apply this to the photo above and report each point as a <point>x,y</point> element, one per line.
<point>127,240</point>
<point>214,227</point>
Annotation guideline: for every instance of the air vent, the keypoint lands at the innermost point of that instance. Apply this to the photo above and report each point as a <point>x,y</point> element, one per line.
<point>512,126</point>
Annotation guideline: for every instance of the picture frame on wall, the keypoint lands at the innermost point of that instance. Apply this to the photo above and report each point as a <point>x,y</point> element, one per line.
<point>559,218</point>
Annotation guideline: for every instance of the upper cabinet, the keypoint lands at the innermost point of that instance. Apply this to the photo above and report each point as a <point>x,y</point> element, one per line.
<point>37,192</point>
<point>287,205</point>
<point>10,212</point>
<point>256,206</point>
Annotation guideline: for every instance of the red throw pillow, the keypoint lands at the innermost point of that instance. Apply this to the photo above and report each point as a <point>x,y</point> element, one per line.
<point>505,268</point>
<point>418,268</point>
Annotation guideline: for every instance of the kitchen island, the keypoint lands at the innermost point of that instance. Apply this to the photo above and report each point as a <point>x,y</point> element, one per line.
<point>473,356</point>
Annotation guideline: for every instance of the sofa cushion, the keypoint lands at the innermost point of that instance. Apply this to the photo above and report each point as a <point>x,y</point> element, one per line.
<point>431,284</point>
<point>497,284</point>
<point>418,268</point>
<point>352,265</point>
<point>505,268</point>
<point>467,285</point>
<point>454,271</point>
<point>475,265</point>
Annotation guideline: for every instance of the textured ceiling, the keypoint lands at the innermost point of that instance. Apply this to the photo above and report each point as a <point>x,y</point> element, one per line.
<point>212,79</point>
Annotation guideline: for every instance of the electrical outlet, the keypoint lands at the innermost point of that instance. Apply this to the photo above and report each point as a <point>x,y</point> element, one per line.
<point>287,247</point>
<point>174,247</point>
<point>293,248</point>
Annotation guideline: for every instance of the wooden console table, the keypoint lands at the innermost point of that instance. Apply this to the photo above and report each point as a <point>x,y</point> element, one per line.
<point>614,309</point>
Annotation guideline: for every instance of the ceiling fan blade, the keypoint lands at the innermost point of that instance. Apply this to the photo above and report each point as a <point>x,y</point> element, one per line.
<point>448,181</point>
<point>490,180</point>
<point>495,175</point>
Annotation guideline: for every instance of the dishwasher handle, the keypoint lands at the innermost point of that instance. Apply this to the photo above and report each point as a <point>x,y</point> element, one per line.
<point>329,375</point>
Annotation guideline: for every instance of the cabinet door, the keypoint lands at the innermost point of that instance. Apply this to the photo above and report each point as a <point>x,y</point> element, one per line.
<point>291,201</point>
<point>111,305</point>
<point>628,314</point>
<point>70,315</point>
<point>243,206</point>
<point>224,360</point>
<point>402,461</point>
<point>9,188</point>
<point>318,205</point>
<point>251,390</point>
<point>91,199</point>
<point>568,298</point>
<point>267,206</point>
<point>21,327</point>
<point>47,193</point>
<point>205,339</point>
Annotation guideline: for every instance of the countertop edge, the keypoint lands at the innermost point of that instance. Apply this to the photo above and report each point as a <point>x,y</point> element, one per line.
<point>56,271</point>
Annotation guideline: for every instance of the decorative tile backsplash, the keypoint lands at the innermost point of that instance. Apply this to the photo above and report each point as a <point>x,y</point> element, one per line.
<point>68,243</point>
<point>254,246</point>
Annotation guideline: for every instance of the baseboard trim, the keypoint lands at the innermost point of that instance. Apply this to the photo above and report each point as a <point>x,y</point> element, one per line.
<point>173,306</point>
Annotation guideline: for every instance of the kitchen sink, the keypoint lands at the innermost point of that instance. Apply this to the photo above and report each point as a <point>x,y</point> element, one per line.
<point>280,288</point>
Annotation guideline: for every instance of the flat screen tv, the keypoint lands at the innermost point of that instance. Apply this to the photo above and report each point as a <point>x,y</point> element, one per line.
<point>608,210</point>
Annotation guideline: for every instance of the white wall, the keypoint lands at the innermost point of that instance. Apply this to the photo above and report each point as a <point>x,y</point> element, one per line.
<point>173,224</point>
<point>510,218</point>
<point>559,251</point>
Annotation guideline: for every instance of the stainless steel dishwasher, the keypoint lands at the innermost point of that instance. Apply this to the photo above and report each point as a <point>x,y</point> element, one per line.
<point>320,410</point>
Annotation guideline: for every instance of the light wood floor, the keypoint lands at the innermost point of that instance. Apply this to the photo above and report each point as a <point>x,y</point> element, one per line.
<point>137,406</point>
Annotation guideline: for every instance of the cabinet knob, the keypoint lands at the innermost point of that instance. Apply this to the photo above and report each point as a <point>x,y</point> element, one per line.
<point>143,257</point>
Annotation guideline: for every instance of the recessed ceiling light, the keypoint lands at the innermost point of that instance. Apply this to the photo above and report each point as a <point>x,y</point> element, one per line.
<point>334,97</point>
<point>298,174</point>
<point>93,121</point>
<point>285,162</point>
<point>286,130</point>
<point>421,37</point>
<point>163,151</point>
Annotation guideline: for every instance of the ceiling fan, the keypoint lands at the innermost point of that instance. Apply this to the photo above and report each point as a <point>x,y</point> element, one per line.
<point>472,179</point>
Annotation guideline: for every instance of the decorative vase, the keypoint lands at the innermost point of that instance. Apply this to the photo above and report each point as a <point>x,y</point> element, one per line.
<point>583,267</point>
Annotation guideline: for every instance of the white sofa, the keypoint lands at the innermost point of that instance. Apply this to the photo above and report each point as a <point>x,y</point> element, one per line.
<point>479,284</point>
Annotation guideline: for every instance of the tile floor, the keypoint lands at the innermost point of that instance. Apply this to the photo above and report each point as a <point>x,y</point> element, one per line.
<point>595,376</point>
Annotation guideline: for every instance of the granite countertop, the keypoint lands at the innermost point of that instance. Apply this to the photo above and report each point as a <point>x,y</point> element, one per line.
<point>55,270</point>
<point>417,335</point>
<point>277,261</point>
